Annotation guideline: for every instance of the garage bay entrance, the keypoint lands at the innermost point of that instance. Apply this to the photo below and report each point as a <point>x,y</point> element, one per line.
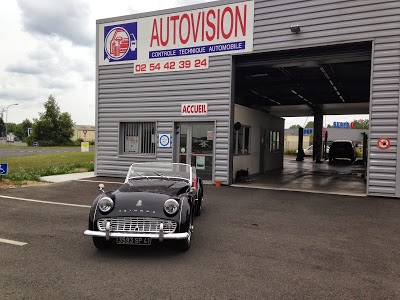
<point>195,146</point>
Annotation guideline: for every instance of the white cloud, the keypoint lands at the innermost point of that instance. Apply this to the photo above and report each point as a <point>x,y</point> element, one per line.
<point>65,19</point>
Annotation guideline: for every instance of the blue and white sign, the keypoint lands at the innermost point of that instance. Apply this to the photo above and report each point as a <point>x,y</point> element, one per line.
<point>35,144</point>
<point>307,131</point>
<point>214,30</point>
<point>164,140</point>
<point>120,43</point>
<point>343,124</point>
<point>3,169</point>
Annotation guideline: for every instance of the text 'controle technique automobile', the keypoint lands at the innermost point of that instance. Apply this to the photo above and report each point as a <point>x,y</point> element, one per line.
<point>156,202</point>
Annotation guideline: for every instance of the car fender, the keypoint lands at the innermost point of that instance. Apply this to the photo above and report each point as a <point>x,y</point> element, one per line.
<point>186,214</point>
<point>93,210</point>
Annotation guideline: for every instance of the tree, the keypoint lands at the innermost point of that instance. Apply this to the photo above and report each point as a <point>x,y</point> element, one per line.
<point>53,127</point>
<point>361,124</point>
<point>2,127</point>
<point>11,127</point>
<point>22,129</point>
<point>310,124</point>
<point>294,126</point>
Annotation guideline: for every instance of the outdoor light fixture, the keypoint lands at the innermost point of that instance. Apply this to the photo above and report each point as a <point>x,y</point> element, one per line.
<point>6,120</point>
<point>295,28</point>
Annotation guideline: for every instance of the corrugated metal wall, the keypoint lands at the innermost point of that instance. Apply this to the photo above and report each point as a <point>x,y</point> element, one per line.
<point>384,116</point>
<point>123,97</point>
<point>328,22</point>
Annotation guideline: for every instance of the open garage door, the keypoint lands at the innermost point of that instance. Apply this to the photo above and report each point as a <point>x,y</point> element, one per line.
<point>320,81</point>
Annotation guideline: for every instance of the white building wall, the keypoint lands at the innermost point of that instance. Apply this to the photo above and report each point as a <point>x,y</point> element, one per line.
<point>258,121</point>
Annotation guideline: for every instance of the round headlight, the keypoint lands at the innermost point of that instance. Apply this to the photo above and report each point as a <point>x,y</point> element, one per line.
<point>171,206</point>
<point>106,204</point>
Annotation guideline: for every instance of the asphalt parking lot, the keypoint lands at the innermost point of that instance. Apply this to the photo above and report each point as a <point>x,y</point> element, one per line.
<point>247,244</point>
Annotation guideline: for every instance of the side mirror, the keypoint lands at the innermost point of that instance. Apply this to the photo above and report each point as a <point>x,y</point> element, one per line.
<point>101,187</point>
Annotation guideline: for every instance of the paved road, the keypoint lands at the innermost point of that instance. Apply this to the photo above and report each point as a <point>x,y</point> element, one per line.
<point>24,151</point>
<point>247,244</point>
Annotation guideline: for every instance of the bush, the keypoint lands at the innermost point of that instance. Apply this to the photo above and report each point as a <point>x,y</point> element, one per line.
<point>290,152</point>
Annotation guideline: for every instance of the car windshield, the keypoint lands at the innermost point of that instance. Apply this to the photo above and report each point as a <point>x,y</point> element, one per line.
<point>341,145</point>
<point>159,169</point>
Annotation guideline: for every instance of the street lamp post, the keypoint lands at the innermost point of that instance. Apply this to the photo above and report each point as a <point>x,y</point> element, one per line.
<point>6,120</point>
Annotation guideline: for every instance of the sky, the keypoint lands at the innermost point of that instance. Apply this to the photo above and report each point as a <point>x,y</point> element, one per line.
<point>48,48</point>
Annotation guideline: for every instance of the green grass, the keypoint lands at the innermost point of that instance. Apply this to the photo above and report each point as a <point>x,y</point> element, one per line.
<point>12,146</point>
<point>33,167</point>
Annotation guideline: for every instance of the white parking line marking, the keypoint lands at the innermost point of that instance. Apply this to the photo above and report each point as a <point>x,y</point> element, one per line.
<point>45,202</point>
<point>12,242</point>
<point>105,182</point>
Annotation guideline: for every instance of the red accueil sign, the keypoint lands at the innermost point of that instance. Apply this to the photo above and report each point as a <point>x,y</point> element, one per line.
<point>191,109</point>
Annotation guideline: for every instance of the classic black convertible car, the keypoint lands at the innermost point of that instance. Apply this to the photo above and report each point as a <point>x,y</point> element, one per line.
<point>158,201</point>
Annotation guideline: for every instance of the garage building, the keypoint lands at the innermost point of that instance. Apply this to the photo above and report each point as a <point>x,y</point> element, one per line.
<point>209,84</point>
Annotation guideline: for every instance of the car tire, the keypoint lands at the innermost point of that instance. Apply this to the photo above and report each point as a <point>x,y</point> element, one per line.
<point>101,243</point>
<point>199,202</point>
<point>198,208</point>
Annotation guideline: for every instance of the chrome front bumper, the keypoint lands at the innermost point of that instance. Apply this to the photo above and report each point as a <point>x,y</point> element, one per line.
<point>107,234</point>
<point>156,236</point>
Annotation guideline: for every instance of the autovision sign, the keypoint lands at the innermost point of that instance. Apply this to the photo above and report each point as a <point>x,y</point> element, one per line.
<point>209,31</point>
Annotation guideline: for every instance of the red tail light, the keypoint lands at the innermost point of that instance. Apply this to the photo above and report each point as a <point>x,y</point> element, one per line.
<point>194,183</point>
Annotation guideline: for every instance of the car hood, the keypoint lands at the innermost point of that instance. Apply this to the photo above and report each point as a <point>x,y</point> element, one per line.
<point>145,197</point>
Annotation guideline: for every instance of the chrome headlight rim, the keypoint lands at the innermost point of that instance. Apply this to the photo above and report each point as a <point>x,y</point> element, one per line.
<point>103,207</point>
<point>171,203</point>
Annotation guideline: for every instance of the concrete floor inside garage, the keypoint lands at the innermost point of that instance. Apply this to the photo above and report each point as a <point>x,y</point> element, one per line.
<point>341,178</point>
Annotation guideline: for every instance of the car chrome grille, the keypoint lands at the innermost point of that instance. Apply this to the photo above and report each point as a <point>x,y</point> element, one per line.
<point>137,224</point>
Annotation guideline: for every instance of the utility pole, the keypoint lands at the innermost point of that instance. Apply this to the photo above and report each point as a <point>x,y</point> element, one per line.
<point>6,120</point>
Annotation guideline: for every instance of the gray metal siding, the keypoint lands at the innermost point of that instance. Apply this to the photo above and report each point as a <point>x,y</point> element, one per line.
<point>384,117</point>
<point>328,22</point>
<point>125,97</point>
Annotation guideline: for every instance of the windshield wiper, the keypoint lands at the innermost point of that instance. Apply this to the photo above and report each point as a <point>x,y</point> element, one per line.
<point>161,175</point>
<point>139,174</point>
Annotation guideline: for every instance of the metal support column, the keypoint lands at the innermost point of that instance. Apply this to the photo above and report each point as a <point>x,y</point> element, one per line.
<point>317,135</point>
<point>300,151</point>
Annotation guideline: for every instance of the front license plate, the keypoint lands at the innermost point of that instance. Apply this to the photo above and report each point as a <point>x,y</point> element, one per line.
<point>134,241</point>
